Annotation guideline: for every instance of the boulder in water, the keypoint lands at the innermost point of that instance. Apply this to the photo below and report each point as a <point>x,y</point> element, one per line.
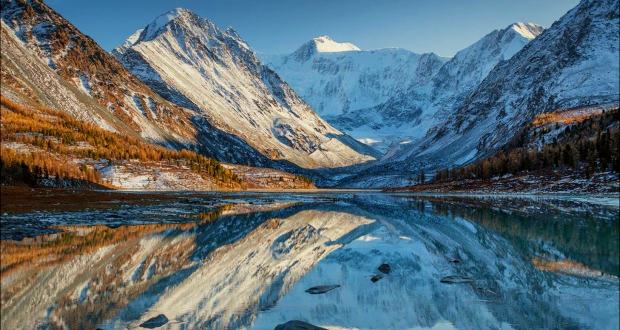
<point>297,325</point>
<point>155,322</point>
<point>385,268</point>
<point>322,289</point>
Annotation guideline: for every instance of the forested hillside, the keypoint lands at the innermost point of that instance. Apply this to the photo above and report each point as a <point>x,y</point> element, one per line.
<point>42,146</point>
<point>565,146</point>
<point>589,146</point>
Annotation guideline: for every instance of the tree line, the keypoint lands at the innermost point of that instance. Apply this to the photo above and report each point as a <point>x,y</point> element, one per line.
<point>56,138</point>
<point>590,146</point>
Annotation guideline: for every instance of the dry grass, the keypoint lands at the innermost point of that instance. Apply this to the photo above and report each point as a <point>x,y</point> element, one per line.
<point>567,117</point>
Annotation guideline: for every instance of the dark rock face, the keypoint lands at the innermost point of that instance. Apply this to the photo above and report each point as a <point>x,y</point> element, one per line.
<point>297,325</point>
<point>456,279</point>
<point>322,289</point>
<point>385,268</point>
<point>376,278</point>
<point>155,322</point>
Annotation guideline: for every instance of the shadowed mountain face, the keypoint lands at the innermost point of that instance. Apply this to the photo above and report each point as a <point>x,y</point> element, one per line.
<point>573,63</point>
<point>452,263</point>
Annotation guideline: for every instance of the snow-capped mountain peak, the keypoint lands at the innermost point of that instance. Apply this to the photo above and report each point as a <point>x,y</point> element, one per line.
<point>390,95</point>
<point>155,27</point>
<point>322,45</point>
<point>471,65</point>
<point>505,42</point>
<point>325,44</point>
<point>527,30</point>
<point>162,20</point>
<point>130,41</point>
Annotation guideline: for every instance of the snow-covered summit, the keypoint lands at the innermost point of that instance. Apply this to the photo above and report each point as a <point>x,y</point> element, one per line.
<point>322,45</point>
<point>160,21</point>
<point>459,76</point>
<point>130,41</point>
<point>325,44</point>
<point>527,30</point>
<point>155,27</point>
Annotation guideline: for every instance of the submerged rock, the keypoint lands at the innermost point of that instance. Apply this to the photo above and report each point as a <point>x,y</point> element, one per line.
<point>454,260</point>
<point>155,322</point>
<point>385,268</point>
<point>455,279</point>
<point>485,292</point>
<point>297,325</point>
<point>375,278</point>
<point>322,289</point>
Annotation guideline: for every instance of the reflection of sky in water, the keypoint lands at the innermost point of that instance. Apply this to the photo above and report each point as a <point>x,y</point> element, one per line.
<point>531,263</point>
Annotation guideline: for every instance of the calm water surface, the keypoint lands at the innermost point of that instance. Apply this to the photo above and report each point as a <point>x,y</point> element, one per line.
<point>245,261</point>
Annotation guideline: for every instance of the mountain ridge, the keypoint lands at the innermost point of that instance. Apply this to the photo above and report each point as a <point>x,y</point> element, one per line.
<point>190,61</point>
<point>387,96</point>
<point>572,63</point>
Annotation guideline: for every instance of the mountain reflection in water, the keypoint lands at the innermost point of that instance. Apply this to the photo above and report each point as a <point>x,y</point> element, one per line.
<point>454,262</point>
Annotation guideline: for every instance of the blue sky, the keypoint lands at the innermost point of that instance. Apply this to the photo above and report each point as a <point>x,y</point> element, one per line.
<point>280,26</point>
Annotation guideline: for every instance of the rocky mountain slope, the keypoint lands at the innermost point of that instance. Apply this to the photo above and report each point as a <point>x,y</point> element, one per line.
<point>28,79</point>
<point>573,63</point>
<point>48,60</point>
<point>42,147</point>
<point>562,152</point>
<point>190,61</point>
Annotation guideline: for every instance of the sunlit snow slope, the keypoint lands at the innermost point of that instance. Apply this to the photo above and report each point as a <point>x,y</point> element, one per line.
<point>191,62</point>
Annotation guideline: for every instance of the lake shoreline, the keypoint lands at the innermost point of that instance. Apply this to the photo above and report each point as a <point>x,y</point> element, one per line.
<point>16,199</point>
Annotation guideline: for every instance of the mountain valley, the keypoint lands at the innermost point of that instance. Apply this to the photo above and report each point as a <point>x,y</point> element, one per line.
<point>190,176</point>
<point>381,115</point>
